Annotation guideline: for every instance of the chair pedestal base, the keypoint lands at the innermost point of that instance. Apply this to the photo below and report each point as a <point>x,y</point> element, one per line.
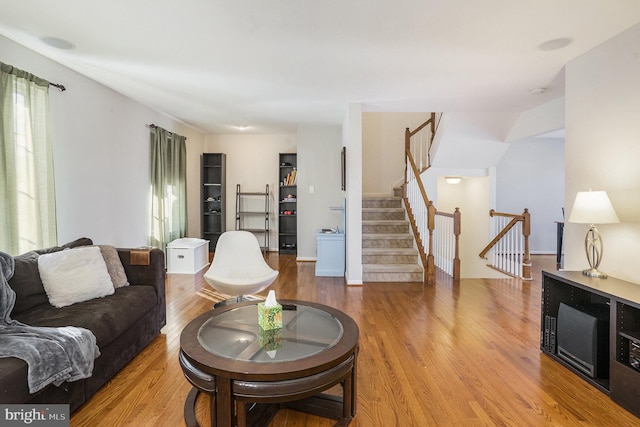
<point>239,298</point>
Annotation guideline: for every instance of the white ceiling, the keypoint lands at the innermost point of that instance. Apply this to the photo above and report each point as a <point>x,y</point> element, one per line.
<point>273,64</point>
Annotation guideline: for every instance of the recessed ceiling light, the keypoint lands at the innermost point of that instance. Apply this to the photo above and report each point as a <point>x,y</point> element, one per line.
<point>241,127</point>
<point>536,91</point>
<point>58,43</point>
<point>555,44</point>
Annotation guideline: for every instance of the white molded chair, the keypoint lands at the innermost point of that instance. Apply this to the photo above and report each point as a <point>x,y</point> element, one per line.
<point>238,267</point>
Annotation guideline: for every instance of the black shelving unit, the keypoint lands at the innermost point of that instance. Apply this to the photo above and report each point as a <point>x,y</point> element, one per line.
<point>288,204</point>
<point>614,302</point>
<point>213,197</point>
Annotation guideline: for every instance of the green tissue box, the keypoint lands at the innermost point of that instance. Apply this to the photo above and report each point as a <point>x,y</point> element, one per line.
<point>269,318</point>
<point>270,340</point>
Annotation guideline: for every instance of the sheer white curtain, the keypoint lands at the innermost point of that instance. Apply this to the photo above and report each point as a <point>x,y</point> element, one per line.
<point>168,179</point>
<point>27,196</point>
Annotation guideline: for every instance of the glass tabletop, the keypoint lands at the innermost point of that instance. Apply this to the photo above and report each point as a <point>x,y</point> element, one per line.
<point>235,334</point>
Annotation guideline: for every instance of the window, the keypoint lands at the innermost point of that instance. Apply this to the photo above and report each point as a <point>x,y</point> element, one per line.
<point>27,212</point>
<point>168,190</point>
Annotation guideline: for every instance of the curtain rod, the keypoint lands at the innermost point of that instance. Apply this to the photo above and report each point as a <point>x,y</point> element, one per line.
<point>58,86</point>
<point>153,126</point>
<point>10,69</point>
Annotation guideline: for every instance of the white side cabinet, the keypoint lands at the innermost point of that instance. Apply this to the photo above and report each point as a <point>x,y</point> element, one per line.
<point>187,255</point>
<point>330,254</point>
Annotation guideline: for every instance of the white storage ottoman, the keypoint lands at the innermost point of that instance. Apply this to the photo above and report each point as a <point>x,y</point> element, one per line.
<point>187,255</point>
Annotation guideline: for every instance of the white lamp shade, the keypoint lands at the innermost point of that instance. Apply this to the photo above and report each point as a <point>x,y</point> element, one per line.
<point>593,207</point>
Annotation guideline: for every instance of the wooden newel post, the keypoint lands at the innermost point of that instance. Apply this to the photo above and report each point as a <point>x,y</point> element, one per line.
<point>456,233</point>
<point>407,144</point>
<point>526,232</point>
<point>431,224</point>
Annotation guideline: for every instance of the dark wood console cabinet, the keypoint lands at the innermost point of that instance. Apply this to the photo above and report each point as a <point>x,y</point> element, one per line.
<point>616,303</point>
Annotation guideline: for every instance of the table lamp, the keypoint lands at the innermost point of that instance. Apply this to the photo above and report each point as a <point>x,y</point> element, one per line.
<point>593,207</point>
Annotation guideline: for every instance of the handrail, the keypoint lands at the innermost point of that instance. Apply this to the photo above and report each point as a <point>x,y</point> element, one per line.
<point>421,212</point>
<point>421,150</point>
<point>518,251</point>
<point>431,121</point>
<point>427,261</point>
<point>423,192</point>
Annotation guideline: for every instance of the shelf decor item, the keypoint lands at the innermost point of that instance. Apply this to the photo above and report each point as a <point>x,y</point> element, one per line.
<point>593,207</point>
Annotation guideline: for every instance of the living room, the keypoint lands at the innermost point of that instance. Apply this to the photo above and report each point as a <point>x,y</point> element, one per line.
<point>102,148</point>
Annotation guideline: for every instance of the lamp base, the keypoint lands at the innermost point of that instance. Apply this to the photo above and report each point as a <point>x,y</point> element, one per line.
<point>594,272</point>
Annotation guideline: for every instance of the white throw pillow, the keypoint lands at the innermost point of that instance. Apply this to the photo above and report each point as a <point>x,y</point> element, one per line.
<point>74,275</point>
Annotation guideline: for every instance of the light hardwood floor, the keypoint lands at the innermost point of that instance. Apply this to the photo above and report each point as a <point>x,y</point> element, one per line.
<point>462,354</point>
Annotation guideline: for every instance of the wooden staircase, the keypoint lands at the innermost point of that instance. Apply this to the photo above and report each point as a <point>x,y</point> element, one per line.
<point>388,254</point>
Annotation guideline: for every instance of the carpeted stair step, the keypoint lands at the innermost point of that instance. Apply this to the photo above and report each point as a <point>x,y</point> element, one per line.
<point>376,214</point>
<point>385,227</point>
<point>388,253</point>
<point>382,202</point>
<point>387,240</point>
<point>389,256</point>
<point>391,273</point>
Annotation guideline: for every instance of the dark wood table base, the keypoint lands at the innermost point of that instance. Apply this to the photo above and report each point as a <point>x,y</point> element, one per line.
<point>261,414</point>
<point>220,356</point>
<point>256,403</point>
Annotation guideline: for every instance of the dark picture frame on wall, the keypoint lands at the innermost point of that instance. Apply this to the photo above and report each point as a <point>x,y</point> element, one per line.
<point>343,168</point>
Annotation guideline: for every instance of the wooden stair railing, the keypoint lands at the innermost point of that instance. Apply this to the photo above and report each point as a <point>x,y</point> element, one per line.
<point>447,243</point>
<point>510,247</point>
<point>420,217</point>
<point>420,149</point>
<point>420,210</point>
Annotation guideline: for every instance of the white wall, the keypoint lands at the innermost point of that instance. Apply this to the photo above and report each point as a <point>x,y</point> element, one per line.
<point>383,149</point>
<point>471,195</point>
<point>252,162</point>
<point>319,167</point>
<point>471,140</point>
<point>531,175</point>
<point>545,118</point>
<point>527,172</point>
<point>352,140</point>
<point>602,149</point>
<point>101,155</point>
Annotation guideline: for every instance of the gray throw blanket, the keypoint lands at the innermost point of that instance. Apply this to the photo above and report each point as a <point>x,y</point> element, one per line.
<point>54,355</point>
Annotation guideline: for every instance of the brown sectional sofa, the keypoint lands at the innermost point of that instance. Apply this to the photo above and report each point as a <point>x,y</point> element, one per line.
<point>124,323</point>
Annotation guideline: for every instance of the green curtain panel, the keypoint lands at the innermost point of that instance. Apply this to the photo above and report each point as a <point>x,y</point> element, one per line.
<point>27,193</point>
<point>168,204</point>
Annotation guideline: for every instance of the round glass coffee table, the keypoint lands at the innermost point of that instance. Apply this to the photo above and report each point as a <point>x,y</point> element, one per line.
<point>251,373</point>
